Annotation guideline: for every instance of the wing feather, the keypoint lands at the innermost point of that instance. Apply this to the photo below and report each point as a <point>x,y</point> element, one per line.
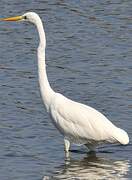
<point>77,120</point>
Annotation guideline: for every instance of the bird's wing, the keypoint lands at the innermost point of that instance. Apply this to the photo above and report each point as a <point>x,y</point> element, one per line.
<point>79,120</point>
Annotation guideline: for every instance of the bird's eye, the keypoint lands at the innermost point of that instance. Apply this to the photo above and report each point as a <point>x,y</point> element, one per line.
<point>25,17</point>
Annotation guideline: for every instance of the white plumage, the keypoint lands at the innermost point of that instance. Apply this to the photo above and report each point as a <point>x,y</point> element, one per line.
<point>78,123</point>
<point>82,124</point>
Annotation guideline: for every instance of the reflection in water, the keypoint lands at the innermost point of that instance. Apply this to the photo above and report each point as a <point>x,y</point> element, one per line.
<point>92,167</point>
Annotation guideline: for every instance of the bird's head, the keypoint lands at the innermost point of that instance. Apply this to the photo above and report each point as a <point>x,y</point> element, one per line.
<point>29,16</point>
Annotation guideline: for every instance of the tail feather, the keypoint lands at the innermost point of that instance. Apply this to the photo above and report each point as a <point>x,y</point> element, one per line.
<point>121,136</point>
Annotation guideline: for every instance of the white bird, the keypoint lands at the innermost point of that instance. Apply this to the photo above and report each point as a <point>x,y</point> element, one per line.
<point>78,123</point>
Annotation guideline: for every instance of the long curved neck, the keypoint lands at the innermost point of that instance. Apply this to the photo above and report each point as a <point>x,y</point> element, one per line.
<point>46,90</point>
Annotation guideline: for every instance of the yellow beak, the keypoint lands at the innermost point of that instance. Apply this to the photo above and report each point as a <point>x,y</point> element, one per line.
<point>16,18</point>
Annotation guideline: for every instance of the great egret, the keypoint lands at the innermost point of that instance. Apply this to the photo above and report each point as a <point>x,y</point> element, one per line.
<point>78,123</point>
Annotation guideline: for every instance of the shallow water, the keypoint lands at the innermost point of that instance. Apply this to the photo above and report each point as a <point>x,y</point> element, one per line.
<point>89,60</point>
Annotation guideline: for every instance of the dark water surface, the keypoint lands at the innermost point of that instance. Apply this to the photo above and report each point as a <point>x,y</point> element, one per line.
<point>89,50</point>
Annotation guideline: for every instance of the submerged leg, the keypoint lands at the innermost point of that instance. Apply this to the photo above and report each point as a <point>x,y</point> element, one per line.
<point>66,145</point>
<point>91,147</point>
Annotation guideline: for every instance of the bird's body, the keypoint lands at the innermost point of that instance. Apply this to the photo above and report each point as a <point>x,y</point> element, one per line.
<point>78,123</point>
<point>79,128</point>
<point>81,124</point>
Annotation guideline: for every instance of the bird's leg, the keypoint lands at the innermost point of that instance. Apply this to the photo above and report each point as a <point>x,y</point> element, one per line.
<point>66,145</point>
<point>91,147</point>
<point>66,148</point>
